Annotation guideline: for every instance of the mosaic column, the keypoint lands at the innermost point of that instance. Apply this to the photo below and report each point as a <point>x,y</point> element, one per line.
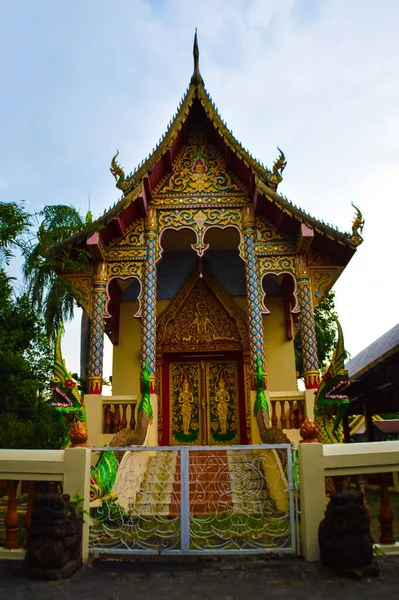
<point>253,293</point>
<point>96,350</point>
<point>306,324</point>
<point>149,305</point>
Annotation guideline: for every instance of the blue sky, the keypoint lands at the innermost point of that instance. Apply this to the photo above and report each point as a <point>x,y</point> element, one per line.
<point>83,78</point>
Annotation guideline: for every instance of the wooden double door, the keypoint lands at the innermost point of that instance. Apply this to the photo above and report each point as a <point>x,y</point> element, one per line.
<point>204,399</point>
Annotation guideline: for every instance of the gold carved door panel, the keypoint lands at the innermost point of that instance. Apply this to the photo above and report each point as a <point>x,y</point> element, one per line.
<point>204,403</point>
<point>223,422</point>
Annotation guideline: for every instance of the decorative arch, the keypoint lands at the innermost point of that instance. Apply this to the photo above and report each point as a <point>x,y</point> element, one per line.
<point>200,231</point>
<point>291,308</point>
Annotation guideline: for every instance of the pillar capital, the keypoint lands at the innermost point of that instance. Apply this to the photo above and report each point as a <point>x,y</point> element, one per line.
<point>301,268</point>
<point>151,220</point>
<point>248,216</point>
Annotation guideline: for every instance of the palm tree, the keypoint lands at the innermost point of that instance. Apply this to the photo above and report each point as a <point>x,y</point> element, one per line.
<point>49,293</point>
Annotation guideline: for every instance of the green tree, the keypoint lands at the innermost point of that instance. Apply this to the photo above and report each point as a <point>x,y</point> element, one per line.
<point>48,292</point>
<point>26,359</point>
<point>324,316</point>
<point>13,222</point>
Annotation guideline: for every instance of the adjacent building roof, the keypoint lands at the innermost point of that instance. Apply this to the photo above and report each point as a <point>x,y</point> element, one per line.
<point>374,375</point>
<point>377,352</point>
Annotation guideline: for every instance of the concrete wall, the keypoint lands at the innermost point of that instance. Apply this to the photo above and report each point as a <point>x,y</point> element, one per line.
<point>70,466</point>
<point>317,461</point>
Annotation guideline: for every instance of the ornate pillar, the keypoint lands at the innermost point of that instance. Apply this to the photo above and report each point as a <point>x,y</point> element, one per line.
<point>149,310</point>
<point>96,350</point>
<point>253,292</point>
<point>306,324</point>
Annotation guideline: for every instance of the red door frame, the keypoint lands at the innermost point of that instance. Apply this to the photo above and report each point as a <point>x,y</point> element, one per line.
<point>167,357</point>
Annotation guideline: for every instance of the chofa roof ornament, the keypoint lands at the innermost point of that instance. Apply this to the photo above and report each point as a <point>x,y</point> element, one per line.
<point>357,227</point>
<point>278,168</point>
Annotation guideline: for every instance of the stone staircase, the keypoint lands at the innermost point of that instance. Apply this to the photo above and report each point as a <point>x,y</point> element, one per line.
<point>250,493</point>
<point>209,484</point>
<point>157,486</point>
<point>219,482</point>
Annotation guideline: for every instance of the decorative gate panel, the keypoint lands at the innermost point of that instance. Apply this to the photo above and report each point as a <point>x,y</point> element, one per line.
<point>192,500</point>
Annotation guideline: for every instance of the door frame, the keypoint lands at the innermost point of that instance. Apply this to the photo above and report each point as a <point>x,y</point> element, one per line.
<point>168,357</point>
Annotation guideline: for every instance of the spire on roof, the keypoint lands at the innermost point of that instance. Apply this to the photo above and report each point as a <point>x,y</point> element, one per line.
<point>196,78</point>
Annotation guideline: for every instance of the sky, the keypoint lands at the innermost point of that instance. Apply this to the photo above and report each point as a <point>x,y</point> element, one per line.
<point>318,78</point>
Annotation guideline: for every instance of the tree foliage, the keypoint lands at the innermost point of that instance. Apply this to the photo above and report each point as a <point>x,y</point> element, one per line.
<point>324,316</point>
<point>13,222</point>
<point>48,292</point>
<point>26,359</point>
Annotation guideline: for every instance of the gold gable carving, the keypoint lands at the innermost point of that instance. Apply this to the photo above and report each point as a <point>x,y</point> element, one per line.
<point>199,171</point>
<point>131,246</point>
<point>202,318</point>
<point>271,241</point>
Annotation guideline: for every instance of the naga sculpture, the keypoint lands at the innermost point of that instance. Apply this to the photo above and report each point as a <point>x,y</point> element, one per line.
<point>119,174</point>
<point>67,401</point>
<point>278,168</point>
<point>357,227</point>
<point>103,475</point>
<point>268,435</point>
<point>331,400</point>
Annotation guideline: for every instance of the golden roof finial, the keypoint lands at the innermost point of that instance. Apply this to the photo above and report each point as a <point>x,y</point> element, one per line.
<point>357,227</point>
<point>196,78</point>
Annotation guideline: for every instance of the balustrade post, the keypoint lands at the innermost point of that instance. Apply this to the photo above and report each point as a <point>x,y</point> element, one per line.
<point>274,413</point>
<point>124,418</point>
<point>386,516</point>
<point>292,415</point>
<point>29,506</point>
<point>283,418</point>
<point>132,424</point>
<point>116,418</point>
<point>11,518</point>
<point>107,418</point>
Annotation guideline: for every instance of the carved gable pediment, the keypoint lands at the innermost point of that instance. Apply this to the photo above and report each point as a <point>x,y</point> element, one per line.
<point>202,318</point>
<point>271,241</point>
<point>199,171</point>
<point>131,246</point>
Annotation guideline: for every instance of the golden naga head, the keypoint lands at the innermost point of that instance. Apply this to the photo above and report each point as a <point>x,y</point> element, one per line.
<point>119,174</point>
<point>357,227</point>
<point>278,167</point>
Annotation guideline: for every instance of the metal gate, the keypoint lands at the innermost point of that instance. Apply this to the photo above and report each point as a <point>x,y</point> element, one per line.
<point>198,500</point>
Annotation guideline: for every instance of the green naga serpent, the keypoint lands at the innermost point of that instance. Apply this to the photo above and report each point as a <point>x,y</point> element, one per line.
<point>70,406</point>
<point>331,401</point>
<point>67,401</point>
<point>103,475</point>
<point>268,435</point>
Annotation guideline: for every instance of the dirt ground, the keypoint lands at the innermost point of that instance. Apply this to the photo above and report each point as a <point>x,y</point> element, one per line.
<point>219,579</point>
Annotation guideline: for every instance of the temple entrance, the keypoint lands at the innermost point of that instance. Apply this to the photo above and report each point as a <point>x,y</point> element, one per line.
<point>202,367</point>
<point>205,399</point>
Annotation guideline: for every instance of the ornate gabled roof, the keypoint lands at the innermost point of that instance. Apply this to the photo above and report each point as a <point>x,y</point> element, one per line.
<point>260,182</point>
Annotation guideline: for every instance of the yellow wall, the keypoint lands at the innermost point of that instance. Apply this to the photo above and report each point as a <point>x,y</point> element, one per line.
<point>279,352</point>
<point>280,359</point>
<point>126,356</point>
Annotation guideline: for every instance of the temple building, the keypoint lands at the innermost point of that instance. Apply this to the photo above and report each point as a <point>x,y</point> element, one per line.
<point>201,269</point>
